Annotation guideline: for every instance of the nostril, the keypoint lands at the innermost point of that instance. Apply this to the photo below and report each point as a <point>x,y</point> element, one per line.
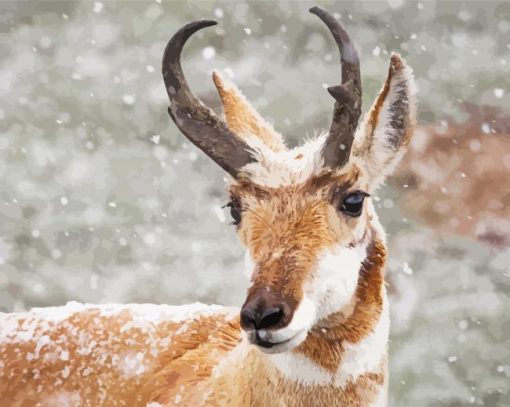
<point>270,317</point>
<point>248,319</point>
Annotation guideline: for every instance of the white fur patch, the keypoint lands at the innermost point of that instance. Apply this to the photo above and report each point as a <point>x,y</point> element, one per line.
<point>295,166</point>
<point>233,360</point>
<point>301,369</point>
<point>358,359</point>
<point>366,355</point>
<point>382,398</point>
<point>63,399</point>
<point>335,280</point>
<point>332,288</point>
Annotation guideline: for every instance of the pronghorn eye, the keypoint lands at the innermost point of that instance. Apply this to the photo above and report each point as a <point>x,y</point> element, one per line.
<point>352,205</point>
<point>235,211</point>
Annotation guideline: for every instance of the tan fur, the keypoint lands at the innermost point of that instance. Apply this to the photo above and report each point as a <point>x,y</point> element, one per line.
<point>273,389</point>
<point>286,228</point>
<point>180,370</point>
<point>242,118</point>
<point>109,360</point>
<point>262,385</point>
<point>288,223</point>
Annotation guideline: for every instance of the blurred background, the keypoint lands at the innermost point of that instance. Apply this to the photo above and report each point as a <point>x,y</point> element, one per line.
<point>102,200</point>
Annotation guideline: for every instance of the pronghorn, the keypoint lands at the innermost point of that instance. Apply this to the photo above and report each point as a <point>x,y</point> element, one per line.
<point>313,330</point>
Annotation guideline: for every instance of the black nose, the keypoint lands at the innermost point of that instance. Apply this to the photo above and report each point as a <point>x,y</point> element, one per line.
<point>265,309</point>
<point>253,318</point>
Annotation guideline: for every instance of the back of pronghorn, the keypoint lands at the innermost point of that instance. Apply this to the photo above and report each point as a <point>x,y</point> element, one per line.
<point>314,327</point>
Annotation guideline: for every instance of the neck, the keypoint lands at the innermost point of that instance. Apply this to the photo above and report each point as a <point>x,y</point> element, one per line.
<point>342,361</point>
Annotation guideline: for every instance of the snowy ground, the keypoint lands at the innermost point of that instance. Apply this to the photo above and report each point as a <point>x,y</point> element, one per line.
<point>102,200</point>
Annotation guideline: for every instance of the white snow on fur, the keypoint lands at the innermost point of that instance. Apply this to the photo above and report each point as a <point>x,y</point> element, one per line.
<point>22,326</point>
<point>286,167</point>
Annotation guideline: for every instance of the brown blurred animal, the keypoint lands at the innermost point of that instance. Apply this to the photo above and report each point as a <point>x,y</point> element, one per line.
<point>457,175</point>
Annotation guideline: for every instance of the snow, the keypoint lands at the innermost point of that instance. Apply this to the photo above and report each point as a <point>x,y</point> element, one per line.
<point>65,372</point>
<point>129,99</point>
<point>149,239</point>
<point>98,7</point>
<point>208,52</point>
<point>131,364</point>
<point>67,157</point>
<point>141,312</point>
<point>498,92</point>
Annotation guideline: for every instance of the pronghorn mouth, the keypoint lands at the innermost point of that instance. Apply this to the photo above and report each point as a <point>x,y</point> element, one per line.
<point>267,344</point>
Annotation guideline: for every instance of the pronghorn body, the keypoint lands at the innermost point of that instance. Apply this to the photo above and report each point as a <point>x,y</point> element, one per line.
<point>314,328</point>
<point>191,355</point>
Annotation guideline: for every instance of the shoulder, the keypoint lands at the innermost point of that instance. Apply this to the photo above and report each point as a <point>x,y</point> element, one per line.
<point>140,348</point>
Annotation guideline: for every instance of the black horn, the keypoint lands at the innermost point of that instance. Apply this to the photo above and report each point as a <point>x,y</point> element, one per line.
<point>347,96</point>
<point>195,120</point>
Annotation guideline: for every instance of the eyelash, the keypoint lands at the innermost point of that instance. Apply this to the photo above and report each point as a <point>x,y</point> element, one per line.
<point>235,211</point>
<point>353,209</point>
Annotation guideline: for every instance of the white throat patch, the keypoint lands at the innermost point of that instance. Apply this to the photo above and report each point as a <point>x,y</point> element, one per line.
<point>358,359</point>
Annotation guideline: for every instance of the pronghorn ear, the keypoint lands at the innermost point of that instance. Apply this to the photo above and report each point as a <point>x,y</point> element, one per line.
<point>388,127</point>
<point>242,118</point>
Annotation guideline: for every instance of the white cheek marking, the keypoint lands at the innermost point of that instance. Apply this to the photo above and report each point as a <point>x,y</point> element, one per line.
<point>336,278</point>
<point>358,359</point>
<point>304,316</point>
<point>331,289</point>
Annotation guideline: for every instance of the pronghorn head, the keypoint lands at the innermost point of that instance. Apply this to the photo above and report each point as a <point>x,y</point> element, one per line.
<point>304,214</point>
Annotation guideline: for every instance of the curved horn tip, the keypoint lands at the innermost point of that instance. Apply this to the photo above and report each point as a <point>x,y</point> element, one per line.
<point>199,24</point>
<point>189,29</point>
<point>176,43</point>
<point>316,10</point>
<point>324,15</point>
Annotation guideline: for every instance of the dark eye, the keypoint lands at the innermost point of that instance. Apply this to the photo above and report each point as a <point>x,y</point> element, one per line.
<point>235,211</point>
<point>352,205</point>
